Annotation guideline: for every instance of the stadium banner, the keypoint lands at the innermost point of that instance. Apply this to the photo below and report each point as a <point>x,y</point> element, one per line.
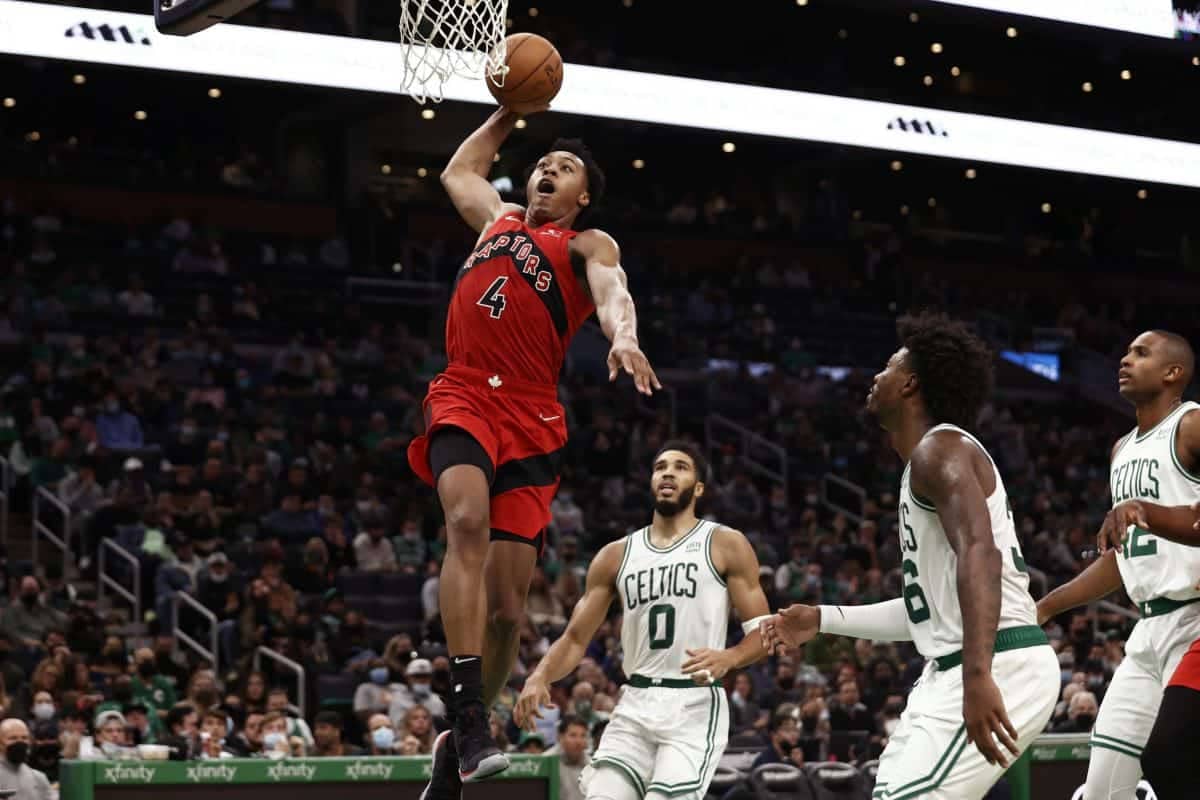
<point>365,778</point>
<point>1147,17</point>
<point>131,40</point>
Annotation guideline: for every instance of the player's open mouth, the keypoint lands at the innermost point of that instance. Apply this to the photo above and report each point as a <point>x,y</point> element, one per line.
<point>666,489</point>
<point>545,186</point>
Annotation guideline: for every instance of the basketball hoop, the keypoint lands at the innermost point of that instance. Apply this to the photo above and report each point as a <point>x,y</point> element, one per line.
<point>448,38</point>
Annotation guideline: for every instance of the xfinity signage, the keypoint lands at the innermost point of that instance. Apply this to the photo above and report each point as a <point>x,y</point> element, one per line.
<point>131,40</point>
<point>1149,17</point>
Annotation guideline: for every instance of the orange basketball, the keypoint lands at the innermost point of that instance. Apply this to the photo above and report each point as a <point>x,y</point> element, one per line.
<point>534,73</point>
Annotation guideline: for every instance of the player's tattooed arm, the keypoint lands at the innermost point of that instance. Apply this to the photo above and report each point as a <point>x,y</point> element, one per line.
<point>609,289</point>
<point>734,558</point>
<point>1174,523</point>
<point>944,469</point>
<point>465,176</point>
<point>568,650</point>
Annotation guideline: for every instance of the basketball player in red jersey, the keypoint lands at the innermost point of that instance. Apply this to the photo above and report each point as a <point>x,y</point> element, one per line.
<point>495,431</point>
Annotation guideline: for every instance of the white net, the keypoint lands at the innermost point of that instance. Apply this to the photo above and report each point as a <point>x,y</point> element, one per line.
<point>447,38</point>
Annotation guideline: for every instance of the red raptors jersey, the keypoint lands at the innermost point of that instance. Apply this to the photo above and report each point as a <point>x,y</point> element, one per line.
<point>517,302</point>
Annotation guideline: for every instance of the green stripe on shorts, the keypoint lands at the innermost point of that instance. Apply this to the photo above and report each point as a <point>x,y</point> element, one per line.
<point>625,769</point>
<point>672,789</point>
<point>941,769</point>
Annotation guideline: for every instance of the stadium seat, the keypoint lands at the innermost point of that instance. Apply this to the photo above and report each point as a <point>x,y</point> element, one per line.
<point>836,779</point>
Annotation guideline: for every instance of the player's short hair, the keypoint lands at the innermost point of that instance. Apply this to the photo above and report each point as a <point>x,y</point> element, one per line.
<point>691,451</point>
<point>1179,349</point>
<point>952,364</point>
<point>567,721</point>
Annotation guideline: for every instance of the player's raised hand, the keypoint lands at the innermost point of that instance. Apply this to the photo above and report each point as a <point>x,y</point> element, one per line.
<point>626,356</point>
<point>1117,522</point>
<point>790,628</point>
<point>984,718</point>
<point>705,666</point>
<point>534,697</point>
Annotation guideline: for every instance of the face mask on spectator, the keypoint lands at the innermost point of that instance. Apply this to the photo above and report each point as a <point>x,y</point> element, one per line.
<point>146,669</point>
<point>1066,675</point>
<point>43,710</point>
<point>17,752</point>
<point>583,709</point>
<point>421,690</point>
<point>273,739</point>
<point>379,676</point>
<point>29,598</point>
<point>383,738</point>
<point>1085,721</point>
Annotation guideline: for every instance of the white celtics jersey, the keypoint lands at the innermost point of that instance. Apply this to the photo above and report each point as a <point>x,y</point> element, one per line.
<point>672,600</point>
<point>930,568</point>
<point>1146,467</point>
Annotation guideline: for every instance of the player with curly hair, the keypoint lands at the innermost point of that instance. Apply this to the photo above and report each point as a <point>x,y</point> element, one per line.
<point>991,681</point>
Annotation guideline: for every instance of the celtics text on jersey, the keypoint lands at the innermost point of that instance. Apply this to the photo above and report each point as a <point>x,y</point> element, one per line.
<point>672,600</point>
<point>1146,466</point>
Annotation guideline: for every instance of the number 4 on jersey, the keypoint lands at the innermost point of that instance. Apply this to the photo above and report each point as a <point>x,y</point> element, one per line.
<point>493,299</point>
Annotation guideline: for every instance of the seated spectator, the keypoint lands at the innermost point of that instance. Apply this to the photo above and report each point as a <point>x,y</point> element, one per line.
<point>1081,714</point>
<point>373,552</point>
<point>150,687</point>
<point>275,740</point>
<point>327,732</point>
<point>116,428</point>
<point>249,740</point>
<point>744,713</point>
<point>136,301</point>
<point>531,743</point>
<point>381,736</point>
<point>109,738</point>
<point>297,728</point>
<point>142,723</point>
<point>27,622</point>
<point>293,524</point>
<point>29,783</point>
<point>543,606</point>
<point>374,695</point>
<point>418,723</point>
<point>410,547</point>
<point>46,752</point>
<point>182,725</point>
<point>418,692</point>
<point>571,749</point>
<point>848,714</point>
<point>214,728</point>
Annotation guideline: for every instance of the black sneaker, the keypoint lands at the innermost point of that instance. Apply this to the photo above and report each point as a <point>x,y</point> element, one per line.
<point>444,782</point>
<point>478,755</point>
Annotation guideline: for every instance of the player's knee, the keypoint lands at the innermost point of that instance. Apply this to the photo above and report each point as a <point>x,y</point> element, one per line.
<point>506,617</point>
<point>467,524</point>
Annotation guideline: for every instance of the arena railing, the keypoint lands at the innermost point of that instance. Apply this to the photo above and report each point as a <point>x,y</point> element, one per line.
<point>212,652</point>
<point>42,498</point>
<point>284,661</point>
<point>751,447</point>
<point>134,598</point>
<point>5,485</point>
<point>834,503</point>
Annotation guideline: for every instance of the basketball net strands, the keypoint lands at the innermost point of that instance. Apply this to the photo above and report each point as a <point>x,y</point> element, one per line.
<point>443,39</point>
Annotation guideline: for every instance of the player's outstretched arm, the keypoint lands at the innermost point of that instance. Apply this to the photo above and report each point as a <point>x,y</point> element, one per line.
<point>465,176</point>
<point>609,288</point>
<point>943,470</point>
<point>1100,579</point>
<point>734,558</point>
<point>798,624</point>
<point>568,650</point>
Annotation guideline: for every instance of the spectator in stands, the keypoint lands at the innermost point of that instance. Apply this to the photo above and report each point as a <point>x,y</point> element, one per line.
<point>136,301</point>
<point>571,749</point>
<point>409,546</point>
<point>381,736</point>
<point>249,740</point>
<point>182,724</point>
<point>275,740</point>
<point>373,552</point>
<point>531,743</point>
<point>418,722</point>
<point>254,692</point>
<point>47,748</point>
<point>29,783</point>
<point>109,737</point>
<point>80,492</point>
<point>543,606</point>
<point>150,687</point>
<point>1081,714</point>
<point>141,723</point>
<point>28,621</point>
<point>116,428</point>
<point>418,692</point>
<point>219,591</point>
<point>214,728</point>
<point>373,696</point>
<point>744,714</point>
<point>784,736</point>
<point>297,727</point>
<point>328,730</point>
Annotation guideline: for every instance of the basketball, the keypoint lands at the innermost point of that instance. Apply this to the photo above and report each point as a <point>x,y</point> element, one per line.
<point>533,75</point>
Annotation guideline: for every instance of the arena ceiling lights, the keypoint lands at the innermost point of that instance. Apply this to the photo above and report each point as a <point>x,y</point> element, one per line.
<point>131,40</point>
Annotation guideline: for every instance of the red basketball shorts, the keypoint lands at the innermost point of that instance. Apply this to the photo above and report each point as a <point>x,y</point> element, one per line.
<point>522,428</point>
<point>1188,672</point>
